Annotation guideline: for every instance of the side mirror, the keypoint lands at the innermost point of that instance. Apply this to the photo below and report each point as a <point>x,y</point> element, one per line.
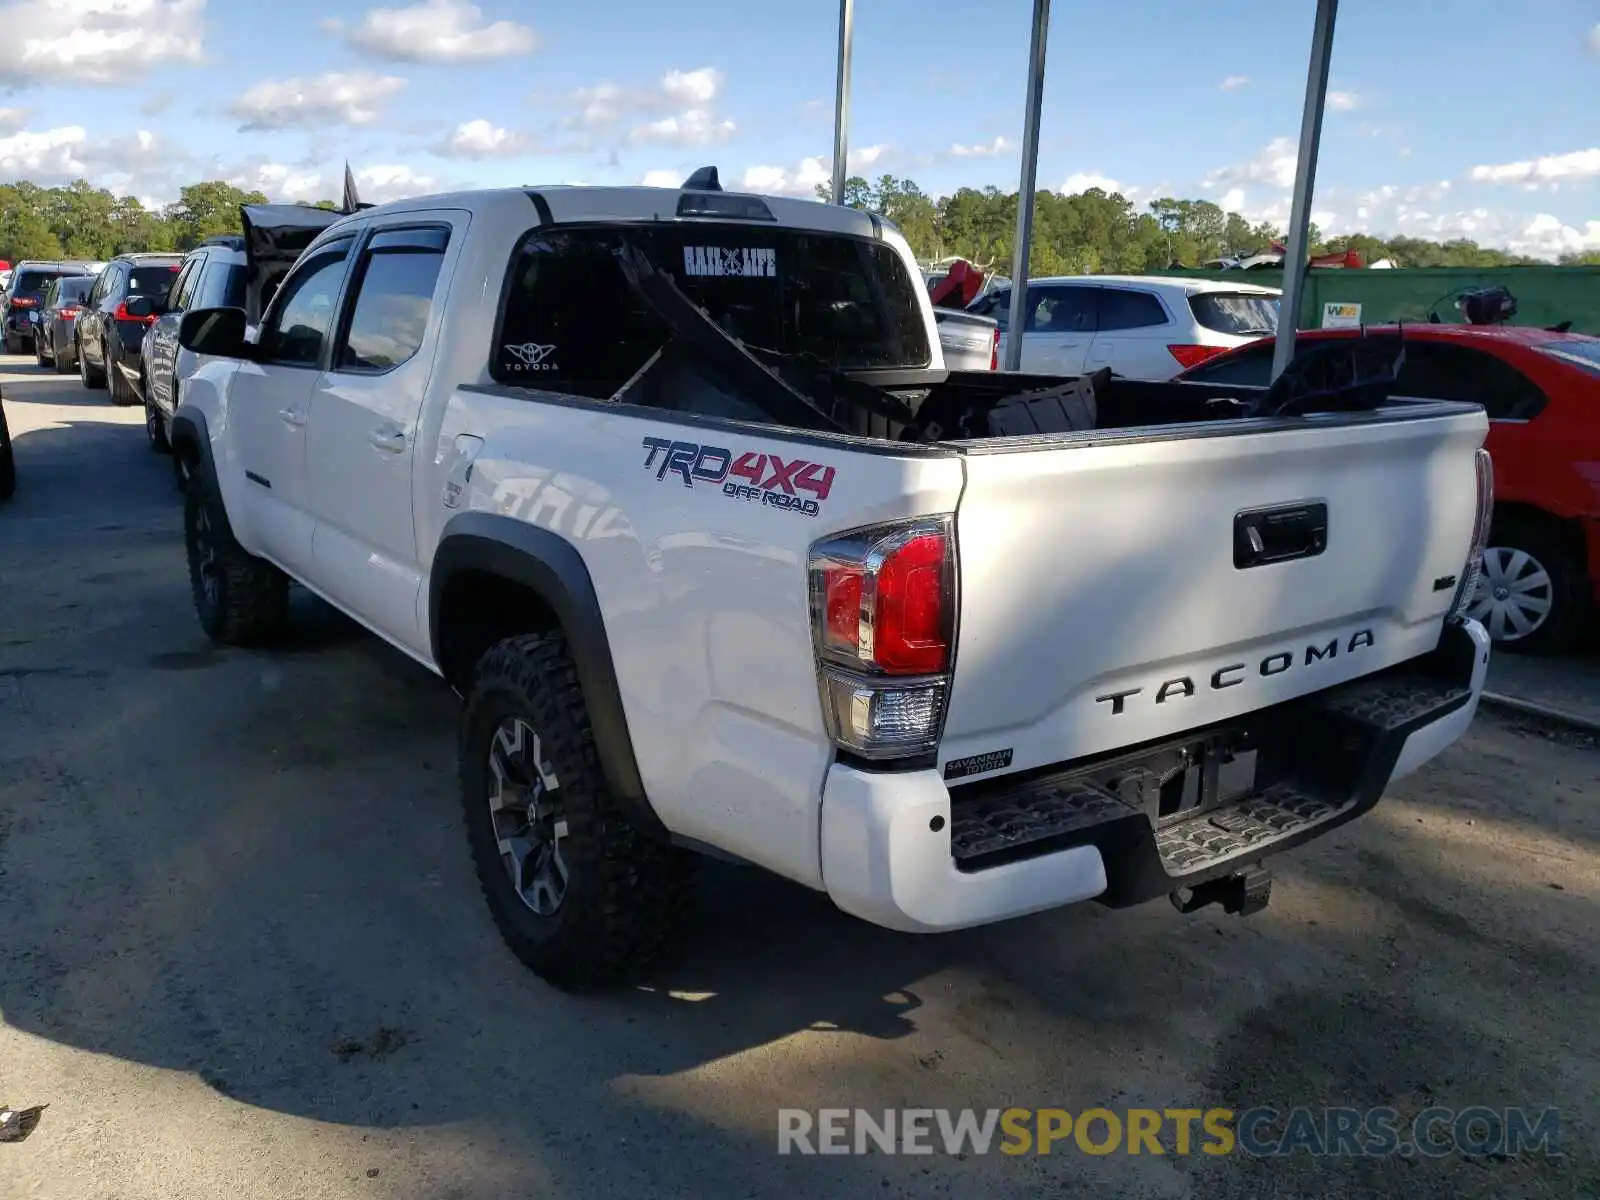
<point>218,331</point>
<point>140,306</point>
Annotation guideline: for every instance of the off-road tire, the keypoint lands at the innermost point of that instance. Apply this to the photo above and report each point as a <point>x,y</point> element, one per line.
<point>87,375</point>
<point>250,602</point>
<point>8,462</point>
<point>628,895</point>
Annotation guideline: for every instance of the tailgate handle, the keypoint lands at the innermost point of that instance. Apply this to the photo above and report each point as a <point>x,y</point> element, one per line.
<point>1279,534</point>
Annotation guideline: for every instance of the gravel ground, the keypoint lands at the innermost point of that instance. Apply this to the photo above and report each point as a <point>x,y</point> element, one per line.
<point>242,953</point>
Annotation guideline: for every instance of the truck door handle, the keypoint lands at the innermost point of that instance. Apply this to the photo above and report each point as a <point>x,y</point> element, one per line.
<point>292,416</point>
<point>388,439</point>
<point>1279,534</point>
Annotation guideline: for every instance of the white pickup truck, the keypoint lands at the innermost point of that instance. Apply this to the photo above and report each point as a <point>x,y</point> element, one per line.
<point>673,487</point>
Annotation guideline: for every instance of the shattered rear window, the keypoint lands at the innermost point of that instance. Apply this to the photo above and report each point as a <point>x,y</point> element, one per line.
<point>569,322</point>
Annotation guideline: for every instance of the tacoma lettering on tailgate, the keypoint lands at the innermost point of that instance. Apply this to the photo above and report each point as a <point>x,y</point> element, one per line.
<point>1234,674</point>
<point>768,479</point>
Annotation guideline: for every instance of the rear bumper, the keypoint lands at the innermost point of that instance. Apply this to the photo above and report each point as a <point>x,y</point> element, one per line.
<point>900,850</point>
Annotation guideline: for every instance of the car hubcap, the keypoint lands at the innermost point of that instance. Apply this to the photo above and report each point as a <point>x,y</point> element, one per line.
<point>529,826</point>
<point>205,553</point>
<point>1514,594</point>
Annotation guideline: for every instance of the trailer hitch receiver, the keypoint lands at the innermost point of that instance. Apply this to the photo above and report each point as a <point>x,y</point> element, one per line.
<point>1245,893</point>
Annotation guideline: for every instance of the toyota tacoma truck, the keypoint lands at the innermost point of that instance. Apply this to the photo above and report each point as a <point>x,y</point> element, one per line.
<point>674,488</point>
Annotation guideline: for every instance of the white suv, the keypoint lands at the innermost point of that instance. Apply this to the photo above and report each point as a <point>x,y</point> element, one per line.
<point>1141,326</point>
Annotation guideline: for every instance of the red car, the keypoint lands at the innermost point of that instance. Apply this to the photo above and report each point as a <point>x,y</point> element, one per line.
<point>1541,579</point>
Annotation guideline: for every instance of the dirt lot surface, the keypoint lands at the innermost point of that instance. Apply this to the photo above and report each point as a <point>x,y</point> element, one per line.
<point>242,952</point>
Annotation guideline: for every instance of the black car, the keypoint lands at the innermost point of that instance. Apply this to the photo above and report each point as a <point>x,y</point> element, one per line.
<point>124,301</point>
<point>23,296</point>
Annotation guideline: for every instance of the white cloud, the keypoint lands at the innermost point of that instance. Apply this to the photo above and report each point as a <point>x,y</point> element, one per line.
<point>51,154</point>
<point>349,98</point>
<point>865,156</point>
<point>481,139</point>
<point>692,88</point>
<point>1234,82</point>
<point>1594,40</point>
<point>13,119</point>
<point>1273,164</point>
<point>286,183</point>
<point>981,149</point>
<point>97,41</point>
<point>780,181</point>
<point>1549,171</point>
<point>378,184</point>
<point>1232,200</point>
<point>1345,101</point>
<point>1082,181</point>
<point>435,31</point>
<point>605,104</point>
<point>663,178</point>
<point>695,127</point>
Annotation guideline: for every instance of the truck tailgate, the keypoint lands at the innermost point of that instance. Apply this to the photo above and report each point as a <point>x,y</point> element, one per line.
<point>1111,590</point>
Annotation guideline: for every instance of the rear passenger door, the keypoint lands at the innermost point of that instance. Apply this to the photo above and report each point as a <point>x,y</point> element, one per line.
<point>364,417</point>
<point>1061,326</point>
<point>1131,335</point>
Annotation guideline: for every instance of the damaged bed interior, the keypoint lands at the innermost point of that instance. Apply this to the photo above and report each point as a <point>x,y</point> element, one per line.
<point>825,333</point>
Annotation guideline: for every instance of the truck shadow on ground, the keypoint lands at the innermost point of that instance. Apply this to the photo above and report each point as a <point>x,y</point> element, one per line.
<point>249,867</point>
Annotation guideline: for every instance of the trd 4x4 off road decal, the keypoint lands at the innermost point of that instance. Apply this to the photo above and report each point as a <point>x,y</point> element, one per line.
<point>792,484</point>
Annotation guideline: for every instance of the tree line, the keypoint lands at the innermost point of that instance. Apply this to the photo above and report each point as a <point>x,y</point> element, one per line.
<point>1099,232</point>
<point>82,222</point>
<point>1091,232</point>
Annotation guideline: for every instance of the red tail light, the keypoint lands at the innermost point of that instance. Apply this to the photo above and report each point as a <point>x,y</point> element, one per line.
<point>122,314</point>
<point>994,352</point>
<point>883,622</point>
<point>24,302</point>
<point>73,311</point>
<point>1193,356</point>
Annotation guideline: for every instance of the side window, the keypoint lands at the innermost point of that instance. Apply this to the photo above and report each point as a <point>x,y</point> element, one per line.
<point>1251,367</point>
<point>393,298</point>
<point>996,305</point>
<point>182,289</point>
<point>49,299</point>
<point>1435,371</point>
<point>1123,309</point>
<point>304,308</point>
<point>222,286</point>
<point>1061,309</point>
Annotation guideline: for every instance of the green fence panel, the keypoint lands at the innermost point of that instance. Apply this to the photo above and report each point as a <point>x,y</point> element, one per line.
<point>1545,295</point>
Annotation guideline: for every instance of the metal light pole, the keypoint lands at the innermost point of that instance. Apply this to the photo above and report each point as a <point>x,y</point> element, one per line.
<point>1297,251</point>
<point>1030,171</point>
<point>841,100</point>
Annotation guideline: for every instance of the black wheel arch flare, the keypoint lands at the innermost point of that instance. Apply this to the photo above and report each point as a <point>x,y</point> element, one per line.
<point>551,567</point>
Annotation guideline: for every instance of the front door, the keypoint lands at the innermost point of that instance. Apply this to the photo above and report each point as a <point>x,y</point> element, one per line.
<point>364,416</point>
<point>270,405</point>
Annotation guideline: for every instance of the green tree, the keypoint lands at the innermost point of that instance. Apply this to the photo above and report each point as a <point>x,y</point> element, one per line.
<point>206,209</point>
<point>24,230</point>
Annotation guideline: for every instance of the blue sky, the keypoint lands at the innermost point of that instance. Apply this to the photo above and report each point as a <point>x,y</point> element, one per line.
<point>1462,119</point>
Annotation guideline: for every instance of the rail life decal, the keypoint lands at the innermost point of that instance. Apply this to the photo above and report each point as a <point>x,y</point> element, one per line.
<point>747,262</point>
<point>790,484</point>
